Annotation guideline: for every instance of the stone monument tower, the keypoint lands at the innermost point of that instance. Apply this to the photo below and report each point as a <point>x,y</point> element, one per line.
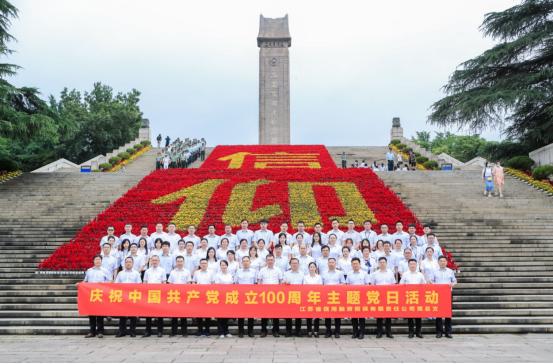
<point>274,80</point>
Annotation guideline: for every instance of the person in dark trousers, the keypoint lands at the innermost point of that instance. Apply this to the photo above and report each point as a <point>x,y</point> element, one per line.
<point>443,275</point>
<point>159,141</point>
<point>128,275</point>
<point>167,141</point>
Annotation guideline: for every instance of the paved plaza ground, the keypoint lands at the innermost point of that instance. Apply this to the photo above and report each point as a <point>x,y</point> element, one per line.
<point>463,348</point>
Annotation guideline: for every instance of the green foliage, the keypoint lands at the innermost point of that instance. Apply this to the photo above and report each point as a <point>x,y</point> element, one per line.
<point>406,150</point>
<point>8,165</point>
<point>430,164</point>
<point>145,143</point>
<point>422,159</point>
<point>400,146</point>
<point>138,146</point>
<point>509,84</point>
<point>417,154</point>
<point>461,147</point>
<point>438,168</point>
<point>542,172</point>
<point>395,141</point>
<point>95,170</point>
<point>422,139</point>
<point>114,160</point>
<point>521,162</point>
<point>105,165</point>
<point>131,151</point>
<point>124,155</point>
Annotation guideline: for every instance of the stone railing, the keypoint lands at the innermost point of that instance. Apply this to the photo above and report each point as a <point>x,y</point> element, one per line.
<point>542,156</point>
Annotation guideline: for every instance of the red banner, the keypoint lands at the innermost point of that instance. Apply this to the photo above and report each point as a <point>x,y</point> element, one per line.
<point>264,301</point>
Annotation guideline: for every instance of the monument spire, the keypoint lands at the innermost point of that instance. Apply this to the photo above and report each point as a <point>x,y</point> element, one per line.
<point>274,80</point>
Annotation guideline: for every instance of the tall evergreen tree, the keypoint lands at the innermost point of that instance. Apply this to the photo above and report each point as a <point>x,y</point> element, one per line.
<point>509,86</point>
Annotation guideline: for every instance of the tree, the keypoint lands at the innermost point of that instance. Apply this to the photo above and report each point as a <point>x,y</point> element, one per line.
<point>509,85</point>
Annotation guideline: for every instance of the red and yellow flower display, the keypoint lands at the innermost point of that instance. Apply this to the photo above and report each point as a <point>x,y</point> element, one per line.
<point>277,183</point>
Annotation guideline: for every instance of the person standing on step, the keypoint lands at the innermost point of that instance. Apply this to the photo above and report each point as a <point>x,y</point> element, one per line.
<point>203,276</point>
<point>443,275</point>
<point>293,276</point>
<point>96,274</point>
<point>159,137</point>
<point>383,276</point>
<point>390,158</point>
<point>167,141</point>
<point>358,277</point>
<point>202,152</point>
<point>312,278</point>
<point>159,159</point>
<point>333,277</point>
<point>128,275</point>
<point>154,275</point>
<point>180,275</point>
<point>412,160</point>
<point>499,178</point>
<point>109,262</point>
<point>166,161</point>
<point>413,277</point>
<point>270,275</point>
<point>245,276</point>
<point>223,277</point>
<point>344,160</point>
<point>487,177</point>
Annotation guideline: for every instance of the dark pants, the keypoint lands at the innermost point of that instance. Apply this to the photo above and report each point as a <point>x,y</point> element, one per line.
<point>388,326</point>
<point>241,326</point>
<point>310,325</point>
<point>149,324</point>
<point>175,326</point>
<point>123,325</point>
<point>337,324</point>
<point>344,164</point>
<point>158,165</point>
<point>222,326</point>
<point>204,325</point>
<point>411,324</point>
<point>440,328</point>
<point>390,165</point>
<point>203,154</point>
<point>289,326</point>
<point>276,325</point>
<point>96,322</point>
<point>358,326</point>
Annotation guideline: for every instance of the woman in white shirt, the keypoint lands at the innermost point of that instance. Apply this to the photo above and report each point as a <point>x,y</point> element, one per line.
<point>261,251</point>
<point>285,247</point>
<point>157,248</point>
<point>212,260</point>
<point>232,264</point>
<point>242,252</point>
<point>379,250</point>
<point>296,249</point>
<point>143,250</point>
<point>223,250</point>
<point>429,264</point>
<point>316,245</point>
<point>344,263</point>
<point>256,262</point>
<point>223,277</point>
<point>312,278</point>
<point>125,251</point>
<point>335,249</point>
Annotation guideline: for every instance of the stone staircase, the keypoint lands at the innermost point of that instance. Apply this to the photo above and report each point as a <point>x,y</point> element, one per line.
<point>504,246</point>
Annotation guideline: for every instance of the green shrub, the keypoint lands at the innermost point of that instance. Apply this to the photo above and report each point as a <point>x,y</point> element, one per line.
<point>145,143</point>
<point>417,154</point>
<point>407,150</point>
<point>124,155</point>
<point>430,164</point>
<point>138,146</point>
<point>542,172</point>
<point>521,162</point>
<point>114,160</point>
<point>7,164</point>
<point>105,165</point>
<point>438,168</point>
<point>400,146</point>
<point>95,170</point>
<point>422,159</point>
<point>131,151</point>
<point>395,141</point>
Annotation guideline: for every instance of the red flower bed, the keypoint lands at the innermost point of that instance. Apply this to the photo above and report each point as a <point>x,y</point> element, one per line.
<point>219,196</point>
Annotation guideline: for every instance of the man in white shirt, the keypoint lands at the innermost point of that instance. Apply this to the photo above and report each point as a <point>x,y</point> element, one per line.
<point>264,234</point>
<point>191,259</point>
<point>357,277</point>
<point>412,229</point>
<point>109,262</point>
<point>232,239</point>
<point>368,233</point>
<point>281,261</point>
<point>413,277</point>
<point>390,259</point>
<point>245,276</point>
<point>335,230</point>
<point>384,236</point>
<point>333,277</point>
<point>275,239</point>
<point>443,275</point>
<point>403,264</point>
<point>244,233</point>
<point>159,234</point>
<point>383,276</point>
<point>319,229</point>
<point>400,234</point>
<point>128,275</point>
<point>301,230</point>
<point>432,244</point>
<point>144,235</point>
<point>192,237</point>
<point>293,276</point>
<point>212,239</point>
<point>128,234</point>
<point>397,252</point>
<point>173,238</point>
<point>116,243</point>
<point>139,261</point>
<point>304,259</point>
<point>113,251</point>
<point>351,234</point>
<point>154,275</point>
<point>322,262</point>
<point>270,275</point>
<point>203,276</point>
<point>424,238</point>
<point>180,275</point>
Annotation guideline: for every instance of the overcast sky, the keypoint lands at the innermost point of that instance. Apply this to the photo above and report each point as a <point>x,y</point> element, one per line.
<point>354,65</point>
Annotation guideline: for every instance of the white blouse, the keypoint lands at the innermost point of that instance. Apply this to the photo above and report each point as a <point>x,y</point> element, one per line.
<point>309,279</point>
<point>222,278</point>
<point>315,251</point>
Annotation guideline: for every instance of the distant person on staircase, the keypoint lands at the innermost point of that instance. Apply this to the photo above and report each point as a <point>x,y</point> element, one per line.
<point>344,161</point>
<point>166,161</point>
<point>412,160</point>
<point>159,141</point>
<point>487,177</point>
<point>159,158</point>
<point>499,178</point>
<point>167,141</point>
<point>390,158</point>
<point>202,151</point>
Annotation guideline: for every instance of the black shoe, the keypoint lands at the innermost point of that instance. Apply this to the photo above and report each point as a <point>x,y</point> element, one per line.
<point>133,335</point>
<point>361,336</point>
<point>411,335</point>
<point>439,335</point>
<point>146,334</point>
<point>419,335</point>
<point>108,318</point>
<point>449,336</point>
<point>328,334</point>
<point>378,336</point>
<point>263,334</point>
<point>299,334</point>
<point>309,335</point>
<point>337,335</point>
<point>172,335</point>
<point>120,335</point>
<point>276,334</point>
<point>355,335</point>
<point>390,336</point>
<point>184,335</point>
<point>250,334</point>
<point>288,334</point>
<point>159,334</point>
<point>316,335</point>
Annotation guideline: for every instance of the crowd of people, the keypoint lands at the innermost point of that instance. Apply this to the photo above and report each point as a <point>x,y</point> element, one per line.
<point>180,154</point>
<point>264,257</point>
<point>391,165</point>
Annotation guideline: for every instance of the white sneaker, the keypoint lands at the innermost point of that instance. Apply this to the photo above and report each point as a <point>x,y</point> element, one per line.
<point>222,337</point>
<point>485,193</point>
<point>228,335</point>
<point>500,195</point>
<point>490,195</point>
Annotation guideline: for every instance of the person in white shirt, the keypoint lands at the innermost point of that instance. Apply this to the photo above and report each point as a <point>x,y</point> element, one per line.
<point>319,229</point>
<point>173,238</point>
<point>333,277</point>
<point>424,238</point>
<point>375,167</point>
<point>368,233</point>
<point>335,230</point>
<point>384,236</point>
<point>223,250</point>
<point>270,275</point>
<point>281,261</point>
<point>412,229</point>
<point>316,245</point>
<point>415,249</point>
<point>261,251</point>
<point>398,249</point>
<point>244,233</point>
<point>191,260</point>
<point>335,249</point>
<point>403,264</point>
<point>138,260</point>
<point>231,238</point>
<point>263,233</point>
<point>286,250</point>
<point>143,235</point>
<point>192,237</point>
<point>390,259</point>
<point>344,262</point>
<point>295,252</point>
<point>293,276</point>
<point>378,250</point>
<point>357,277</point>
<point>128,233</point>
<point>351,234</point>
<point>212,239</point>
<point>367,262</point>
<point>429,263</point>
<point>383,276</point>
<point>303,233</point>
<point>243,251</point>
<point>312,278</point>
<point>128,275</point>
<point>159,234</point>
<point>179,275</point>
<point>223,277</point>
<point>212,263</point>
<point>113,252</point>
<point>443,275</point>
<point>400,234</point>
<point>232,264</point>
<point>202,252</point>
<point>431,244</point>
<point>181,251</point>
<point>276,238</point>
<point>109,262</point>
<point>125,250</point>
<point>322,262</point>
<point>154,275</point>
<point>413,277</point>
<point>203,276</point>
<point>166,162</point>
<point>404,169</point>
<point>256,262</point>
<point>245,276</point>
<point>144,251</point>
<point>304,259</point>
<point>116,241</point>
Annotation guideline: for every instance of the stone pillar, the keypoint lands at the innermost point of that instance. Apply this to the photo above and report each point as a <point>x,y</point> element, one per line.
<point>274,80</point>
<point>397,130</point>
